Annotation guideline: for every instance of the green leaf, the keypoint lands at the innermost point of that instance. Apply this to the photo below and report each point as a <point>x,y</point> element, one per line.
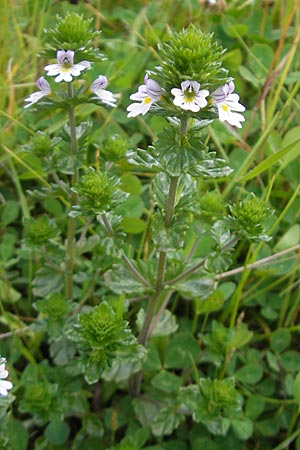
<point>247,75</point>
<point>152,362</point>
<point>280,340</point>
<point>10,212</point>
<point>47,281</point>
<point>133,206</point>
<point>166,381</point>
<point>133,225</point>
<point>290,360</point>
<point>131,184</point>
<point>182,348</point>
<point>125,364</point>
<point>238,29</point>
<point>8,293</point>
<point>243,428</point>
<point>211,304</point>
<point>19,435</point>
<point>255,406</point>
<point>145,411</point>
<point>260,59</point>
<point>273,361</point>
<point>196,286</point>
<point>250,374</point>
<point>165,326</point>
<point>268,427</point>
<point>290,238</point>
<point>121,280</point>
<point>57,432</point>
<point>227,289</point>
<point>270,161</point>
<point>7,246</point>
<point>166,421</point>
<point>240,336</point>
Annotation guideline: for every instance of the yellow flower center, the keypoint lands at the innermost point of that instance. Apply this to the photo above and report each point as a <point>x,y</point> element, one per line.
<point>66,66</point>
<point>189,96</point>
<point>147,100</point>
<point>225,108</point>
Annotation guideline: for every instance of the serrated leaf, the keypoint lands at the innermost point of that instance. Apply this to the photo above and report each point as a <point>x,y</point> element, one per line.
<point>125,364</point>
<point>196,286</point>
<point>165,326</point>
<point>120,280</point>
<point>166,421</point>
<point>145,411</point>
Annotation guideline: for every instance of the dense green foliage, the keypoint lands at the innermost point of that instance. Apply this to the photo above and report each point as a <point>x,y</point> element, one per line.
<point>149,266</point>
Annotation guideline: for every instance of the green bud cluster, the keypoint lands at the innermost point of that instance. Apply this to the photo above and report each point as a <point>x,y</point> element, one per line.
<point>95,191</point>
<point>192,55</point>
<point>248,216</point>
<point>99,334</point>
<point>38,231</point>
<point>102,327</point>
<point>115,147</point>
<point>54,306</point>
<point>42,145</point>
<point>37,398</point>
<point>72,32</point>
<point>219,395</point>
<point>211,206</point>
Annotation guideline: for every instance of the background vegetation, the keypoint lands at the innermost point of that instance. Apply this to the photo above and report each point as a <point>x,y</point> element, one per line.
<point>247,331</point>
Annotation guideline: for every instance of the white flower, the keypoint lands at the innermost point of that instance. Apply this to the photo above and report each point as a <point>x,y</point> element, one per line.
<point>66,69</point>
<point>227,104</point>
<point>147,94</point>
<point>190,97</point>
<point>4,385</point>
<point>36,96</point>
<point>105,96</point>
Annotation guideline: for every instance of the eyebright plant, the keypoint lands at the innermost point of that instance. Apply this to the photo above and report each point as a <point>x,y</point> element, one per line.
<point>106,307</point>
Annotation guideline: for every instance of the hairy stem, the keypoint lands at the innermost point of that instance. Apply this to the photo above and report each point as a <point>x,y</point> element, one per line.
<point>70,246</point>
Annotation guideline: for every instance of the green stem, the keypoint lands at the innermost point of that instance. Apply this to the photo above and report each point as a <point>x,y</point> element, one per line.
<point>70,246</point>
<point>150,321</point>
<point>145,333</point>
<point>160,277</point>
<point>171,201</point>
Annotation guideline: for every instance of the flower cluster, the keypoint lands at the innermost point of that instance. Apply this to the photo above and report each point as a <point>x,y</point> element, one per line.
<point>190,80</point>
<point>65,70</point>
<point>190,97</point>
<point>148,94</point>
<point>5,385</point>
